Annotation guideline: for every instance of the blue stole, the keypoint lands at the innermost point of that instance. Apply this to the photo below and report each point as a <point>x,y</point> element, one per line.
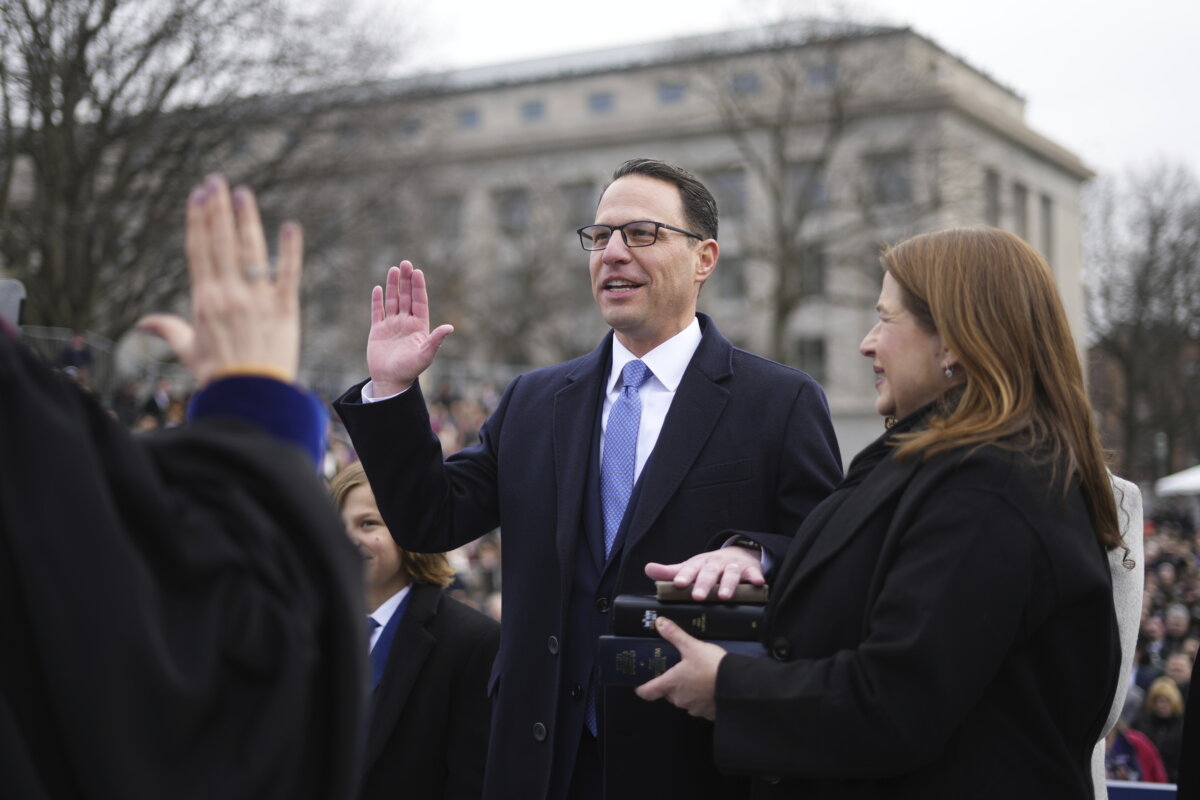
<point>280,409</point>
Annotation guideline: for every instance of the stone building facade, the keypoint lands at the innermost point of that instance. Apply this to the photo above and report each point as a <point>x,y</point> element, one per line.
<point>820,142</point>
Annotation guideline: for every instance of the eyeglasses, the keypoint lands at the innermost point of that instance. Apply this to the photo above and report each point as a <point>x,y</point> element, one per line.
<point>641,233</point>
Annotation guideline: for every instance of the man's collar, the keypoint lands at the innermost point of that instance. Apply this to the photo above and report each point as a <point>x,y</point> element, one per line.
<point>667,362</point>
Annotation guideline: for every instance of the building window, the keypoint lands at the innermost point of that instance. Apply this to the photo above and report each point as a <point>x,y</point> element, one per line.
<point>813,262</point>
<point>601,102</point>
<point>729,189</point>
<point>823,75</point>
<point>809,355</point>
<point>991,198</point>
<point>579,204</point>
<point>469,118</point>
<point>1047,227</point>
<point>730,277</point>
<point>1021,210</point>
<point>409,126</point>
<point>745,83</point>
<point>670,93</point>
<point>891,178</point>
<point>449,217</point>
<point>512,211</point>
<point>809,188</point>
<point>533,110</point>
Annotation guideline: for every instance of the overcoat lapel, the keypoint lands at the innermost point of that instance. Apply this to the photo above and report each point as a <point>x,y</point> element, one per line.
<point>814,547</point>
<point>698,404</point>
<point>410,648</point>
<point>576,407</point>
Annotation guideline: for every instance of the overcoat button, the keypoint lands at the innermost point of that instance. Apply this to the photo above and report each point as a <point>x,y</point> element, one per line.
<point>552,645</point>
<point>771,779</point>
<point>602,605</point>
<point>577,691</point>
<point>780,649</point>
<point>539,732</point>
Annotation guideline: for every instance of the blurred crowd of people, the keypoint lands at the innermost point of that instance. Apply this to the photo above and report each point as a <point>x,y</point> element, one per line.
<point>1145,745</point>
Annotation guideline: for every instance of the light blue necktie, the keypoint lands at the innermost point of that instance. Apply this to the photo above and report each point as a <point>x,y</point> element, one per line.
<point>620,451</point>
<point>616,472</point>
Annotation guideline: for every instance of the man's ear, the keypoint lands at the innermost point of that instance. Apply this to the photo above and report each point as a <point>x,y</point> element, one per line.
<point>706,259</point>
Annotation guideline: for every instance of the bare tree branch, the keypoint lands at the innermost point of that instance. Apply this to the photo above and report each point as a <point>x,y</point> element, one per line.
<point>112,108</point>
<point>797,110</point>
<point>1142,242</point>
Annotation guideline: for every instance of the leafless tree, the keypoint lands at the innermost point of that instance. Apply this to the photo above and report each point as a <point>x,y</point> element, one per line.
<point>1142,248</point>
<point>805,124</point>
<point>532,304</point>
<point>503,265</point>
<point>112,108</point>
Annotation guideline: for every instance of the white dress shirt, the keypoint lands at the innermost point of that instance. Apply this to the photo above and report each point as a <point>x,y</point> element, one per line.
<point>383,614</point>
<point>667,363</point>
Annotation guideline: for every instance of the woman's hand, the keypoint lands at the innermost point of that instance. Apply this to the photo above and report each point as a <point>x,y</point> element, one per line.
<point>724,568</point>
<point>692,683</point>
<point>244,319</point>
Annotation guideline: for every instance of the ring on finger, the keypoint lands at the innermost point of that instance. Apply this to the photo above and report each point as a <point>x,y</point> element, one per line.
<point>254,272</point>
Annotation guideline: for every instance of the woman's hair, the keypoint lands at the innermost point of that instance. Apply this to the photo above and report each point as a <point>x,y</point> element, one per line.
<point>432,568</point>
<point>993,301</point>
<point>1164,687</point>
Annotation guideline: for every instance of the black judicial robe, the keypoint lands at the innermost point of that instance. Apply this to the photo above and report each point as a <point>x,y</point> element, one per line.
<point>179,613</point>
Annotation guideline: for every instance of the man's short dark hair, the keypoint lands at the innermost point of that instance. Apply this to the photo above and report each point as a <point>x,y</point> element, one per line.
<point>699,207</point>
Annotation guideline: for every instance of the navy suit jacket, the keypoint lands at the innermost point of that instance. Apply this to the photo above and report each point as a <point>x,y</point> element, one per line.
<point>428,728</point>
<point>747,444</point>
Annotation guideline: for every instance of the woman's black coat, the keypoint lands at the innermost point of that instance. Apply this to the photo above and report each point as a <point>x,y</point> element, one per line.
<point>939,628</point>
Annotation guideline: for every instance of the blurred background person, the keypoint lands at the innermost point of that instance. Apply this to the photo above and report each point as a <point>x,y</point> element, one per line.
<point>77,353</point>
<point>159,401</point>
<point>1153,632</point>
<point>1177,621</point>
<point>124,403</point>
<point>1162,722</point>
<point>429,713</point>
<point>1131,756</point>
<point>1179,669</point>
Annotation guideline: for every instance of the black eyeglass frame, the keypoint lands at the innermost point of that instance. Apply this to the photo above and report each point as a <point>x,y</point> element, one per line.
<point>611,228</point>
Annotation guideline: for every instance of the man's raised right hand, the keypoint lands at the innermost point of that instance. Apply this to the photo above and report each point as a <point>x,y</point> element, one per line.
<point>400,346</point>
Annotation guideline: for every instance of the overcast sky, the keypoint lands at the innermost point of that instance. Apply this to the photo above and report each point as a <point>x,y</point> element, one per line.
<point>1114,82</point>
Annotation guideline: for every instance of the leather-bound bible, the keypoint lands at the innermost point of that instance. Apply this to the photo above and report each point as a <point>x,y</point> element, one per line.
<point>668,592</point>
<point>634,615</point>
<point>633,660</point>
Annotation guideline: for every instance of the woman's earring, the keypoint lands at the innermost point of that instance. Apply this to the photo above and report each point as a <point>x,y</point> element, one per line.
<point>949,371</point>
